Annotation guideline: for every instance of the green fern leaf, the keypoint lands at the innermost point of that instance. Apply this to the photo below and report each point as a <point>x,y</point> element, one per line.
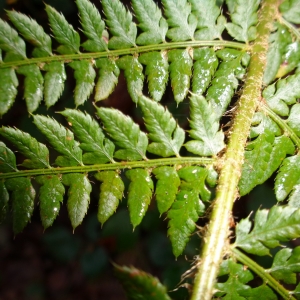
<point>34,85</point>
<point>120,25</point>
<point>259,124</point>
<point>204,68</point>
<point>55,78</point>
<point>225,80</point>
<point>287,180</point>
<point>11,42</point>
<point>22,195</point>
<point>63,32</point>
<point>187,208</point>
<point>8,89</point>
<point>166,187</point>
<point>279,224</point>
<point>7,159</point>
<point>78,196</point>
<point>285,265</point>
<point>204,123</point>
<point>108,78</point>
<point>139,194</point>
<point>180,73</point>
<point>125,133</point>
<point>163,130</point>
<point>140,285</point>
<point>244,19</point>
<point>133,72</point>
<point>97,148</point>
<point>210,23</point>
<point>61,139</point>
<point>293,120</point>
<point>182,215</point>
<point>181,21</point>
<point>151,22</point>
<point>4,198</point>
<point>33,33</point>
<point>290,59</point>
<point>262,158</point>
<point>291,10</point>
<point>93,27</point>
<point>235,287</point>
<point>279,41</point>
<point>194,178</point>
<point>50,196</point>
<point>282,94</point>
<point>37,154</point>
<point>85,76</point>
<point>157,73</point>
<point>230,5</point>
<point>111,193</point>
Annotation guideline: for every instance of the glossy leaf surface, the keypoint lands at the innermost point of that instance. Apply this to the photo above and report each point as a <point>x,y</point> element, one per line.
<point>139,194</point>
<point>111,193</point>
<point>207,138</point>
<point>78,196</point>
<point>286,265</point>
<point>125,133</point>
<point>61,139</point>
<point>36,153</point>
<point>51,196</point>
<point>22,194</point>
<point>279,224</point>
<point>264,156</point>
<point>166,136</point>
<point>97,148</point>
<point>153,25</point>
<point>166,188</point>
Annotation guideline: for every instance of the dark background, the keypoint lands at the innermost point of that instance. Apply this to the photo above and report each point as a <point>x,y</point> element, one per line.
<point>61,264</point>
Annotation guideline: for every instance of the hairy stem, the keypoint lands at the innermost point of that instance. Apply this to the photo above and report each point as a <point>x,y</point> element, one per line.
<point>216,237</point>
<point>115,166</point>
<point>261,272</point>
<point>115,53</point>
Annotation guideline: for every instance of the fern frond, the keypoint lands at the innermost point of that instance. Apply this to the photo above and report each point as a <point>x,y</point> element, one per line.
<point>93,27</point>
<point>143,285</point>
<point>166,135</point>
<point>235,287</point>
<point>51,195</point>
<point>208,140</point>
<point>78,196</point>
<point>180,19</point>
<point>153,25</point>
<point>45,72</point>
<point>244,19</point>
<point>262,158</point>
<point>279,224</point>
<point>63,32</point>
<point>88,144</point>
<point>290,10</point>
<point>284,93</point>
<point>111,193</point>
<point>285,265</point>
<point>210,23</point>
<point>98,149</point>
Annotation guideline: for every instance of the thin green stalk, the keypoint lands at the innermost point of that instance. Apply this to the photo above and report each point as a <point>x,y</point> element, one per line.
<point>115,53</point>
<point>290,26</point>
<point>216,237</point>
<point>182,161</point>
<point>261,272</point>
